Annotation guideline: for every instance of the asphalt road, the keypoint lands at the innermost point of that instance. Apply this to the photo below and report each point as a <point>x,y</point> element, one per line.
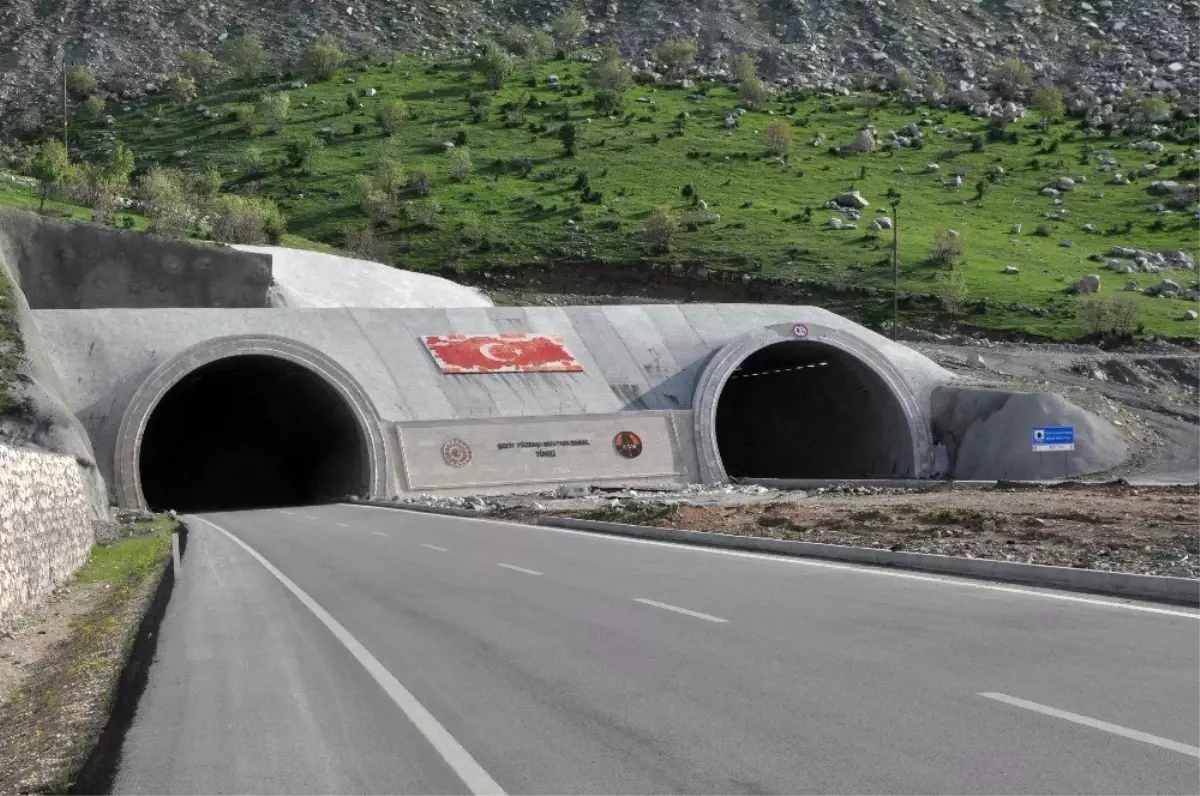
<point>380,651</point>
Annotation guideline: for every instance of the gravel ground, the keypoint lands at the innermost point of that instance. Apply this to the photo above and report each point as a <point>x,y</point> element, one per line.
<point>1116,527</point>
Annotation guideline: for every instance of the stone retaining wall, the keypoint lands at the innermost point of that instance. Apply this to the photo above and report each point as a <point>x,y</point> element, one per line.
<point>45,526</point>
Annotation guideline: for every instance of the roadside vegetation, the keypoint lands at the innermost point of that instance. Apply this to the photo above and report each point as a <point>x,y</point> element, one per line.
<point>12,350</point>
<point>50,723</point>
<point>511,160</point>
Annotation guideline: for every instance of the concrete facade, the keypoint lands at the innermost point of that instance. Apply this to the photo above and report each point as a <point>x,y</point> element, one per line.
<point>45,525</point>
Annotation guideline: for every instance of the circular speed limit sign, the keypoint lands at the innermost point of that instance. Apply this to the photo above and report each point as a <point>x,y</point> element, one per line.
<point>800,330</point>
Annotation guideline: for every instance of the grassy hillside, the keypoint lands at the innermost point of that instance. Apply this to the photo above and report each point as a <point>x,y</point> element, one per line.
<point>667,139</point>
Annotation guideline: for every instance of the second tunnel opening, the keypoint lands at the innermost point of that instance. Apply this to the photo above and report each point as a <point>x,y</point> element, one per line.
<point>810,410</point>
<point>251,431</point>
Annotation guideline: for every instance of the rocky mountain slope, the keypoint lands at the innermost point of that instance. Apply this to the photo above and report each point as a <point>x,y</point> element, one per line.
<point>1096,48</point>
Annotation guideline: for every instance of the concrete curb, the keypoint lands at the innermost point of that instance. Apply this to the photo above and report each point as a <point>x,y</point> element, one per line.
<point>446,510</point>
<point>1154,587</point>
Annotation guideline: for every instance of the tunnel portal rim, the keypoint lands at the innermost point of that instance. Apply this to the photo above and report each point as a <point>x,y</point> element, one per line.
<point>729,358</point>
<point>127,474</point>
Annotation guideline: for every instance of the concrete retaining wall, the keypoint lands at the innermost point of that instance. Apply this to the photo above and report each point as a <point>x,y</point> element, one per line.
<point>64,265</point>
<point>45,525</point>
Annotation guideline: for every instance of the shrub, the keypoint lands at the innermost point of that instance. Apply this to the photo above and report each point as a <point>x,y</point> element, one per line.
<point>159,187</point>
<point>205,185</point>
<point>676,54</point>
<point>363,242</point>
<point>662,227</point>
<point>252,163</point>
<point>182,90</point>
<point>391,114</point>
<point>272,110</point>
<point>323,57</point>
<point>244,114</point>
<point>247,219</point>
<point>1154,109</point>
<point>81,82</point>
<point>28,123</point>
<point>779,137</point>
<point>201,67</point>
<point>1047,103</point>
<point>421,182</point>
<point>947,248</point>
<point>569,135</point>
<point>244,56</point>
<point>460,165</point>
<point>352,103</point>
<point>1011,78</point>
<point>389,176</point>
<point>423,215</point>
<point>954,292</point>
<point>94,106</point>
<point>521,164</point>
<point>905,80</point>
<point>935,87</point>
<point>374,203</point>
<point>754,94</point>
<point>567,29</point>
<point>304,152</point>
<point>1042,231</point>
<point>495,65</point>
<point>539,47</point>
<point>742,67</point>
<point>359,128</point>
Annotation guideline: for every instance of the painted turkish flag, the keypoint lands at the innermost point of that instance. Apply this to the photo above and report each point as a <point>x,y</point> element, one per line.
<point>515,352</point>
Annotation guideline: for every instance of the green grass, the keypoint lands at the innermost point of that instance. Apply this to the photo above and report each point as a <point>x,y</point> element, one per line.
<point>132,558</point>
<point>500,219</point>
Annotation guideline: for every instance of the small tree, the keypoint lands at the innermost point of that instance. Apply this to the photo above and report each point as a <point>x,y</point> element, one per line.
<point>460,164</point>
<point>182,90</point>
<point>200,66</point>
<point>954,292</point>
<point>273,109</point>
<point>51,168</point>
<point>569,136</point>
<point>323,57</point>
<point>1047,103</point>
<point>494,64</point>
<point>778,137</point>
<point>81,82</point>
<point>421,181</point>
<point>677,55</point>
<point>1154,109</point>
<point>661,228</point>
<point>162,195</point>
<point>935,87</point>
<point>305,152</point>
<point>205,185</point>
<point>1124,311</point>
<point>244,56</point>
<point>1092,313</point>
<point>391,114</point>
<point>364,243</point>
<point>743,67</point>
<point>119,168</point>
<point>539,48</point>
<point>754,94</point>
<point>352,103</point>
<point>567,29</point>
<point>94,106</point>
<point>905,81</point>
<point>1011,78</point>
<point>390,177</point>
<point>374,203</point>
<point>947,248</point>
<point>611,79</point>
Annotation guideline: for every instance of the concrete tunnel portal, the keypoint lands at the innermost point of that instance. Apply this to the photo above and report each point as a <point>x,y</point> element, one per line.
<point>251,431</point>
<point>800,409</point>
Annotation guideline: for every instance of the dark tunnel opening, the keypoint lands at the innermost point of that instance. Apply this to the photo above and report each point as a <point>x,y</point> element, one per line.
<point>809,410</point>
<point>249,432</point>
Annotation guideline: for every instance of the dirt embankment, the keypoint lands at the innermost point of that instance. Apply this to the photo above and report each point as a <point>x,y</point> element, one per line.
<point>1117,527</point>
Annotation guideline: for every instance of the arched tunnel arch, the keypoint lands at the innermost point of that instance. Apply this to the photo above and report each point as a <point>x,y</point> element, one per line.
<point>248,423</point>
<point>771,405</point>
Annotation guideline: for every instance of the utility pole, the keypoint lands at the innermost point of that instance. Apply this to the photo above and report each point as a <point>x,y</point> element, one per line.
<point>895,266</point>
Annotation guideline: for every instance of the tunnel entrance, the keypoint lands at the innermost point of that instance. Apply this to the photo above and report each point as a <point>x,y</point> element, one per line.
<point>810,410</point>
<point>251,431</point>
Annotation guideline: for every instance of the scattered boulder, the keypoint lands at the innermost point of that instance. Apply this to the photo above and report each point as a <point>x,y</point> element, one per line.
<point>1147,170</point>
<point>884,222</point>
<point>1015,229</point>
<point>1089,227</point>
<point>1011,269</point>
<point>1048,191</point>
<point>1086,284</point>
<point>974,360</point>
<point>865,142</point>
<point>1190,315</point>
<point>931,168</point>
<point>1131,286</point>
<point>1063,184</point>
<point>1066,244</point>
<point>1163,187</point>
<point>851,199</point>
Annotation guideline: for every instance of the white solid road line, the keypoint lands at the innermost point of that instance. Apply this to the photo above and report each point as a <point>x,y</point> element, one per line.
<point>679,610</point>
<point>521,569</point>
<point>381,533</point>
<point>434,547</point>
<point>477,780</point>
<point>807,562</point>
<point>1115,729</point>
<point>341,525</point>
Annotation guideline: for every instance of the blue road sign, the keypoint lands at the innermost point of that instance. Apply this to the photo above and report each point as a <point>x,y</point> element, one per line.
<point>1053,438</point>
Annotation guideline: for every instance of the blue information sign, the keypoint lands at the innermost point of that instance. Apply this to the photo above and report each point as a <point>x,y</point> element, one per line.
<point>1053,438</point>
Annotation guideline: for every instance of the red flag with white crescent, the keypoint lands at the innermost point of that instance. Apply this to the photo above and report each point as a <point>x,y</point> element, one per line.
<point>512,352</point>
